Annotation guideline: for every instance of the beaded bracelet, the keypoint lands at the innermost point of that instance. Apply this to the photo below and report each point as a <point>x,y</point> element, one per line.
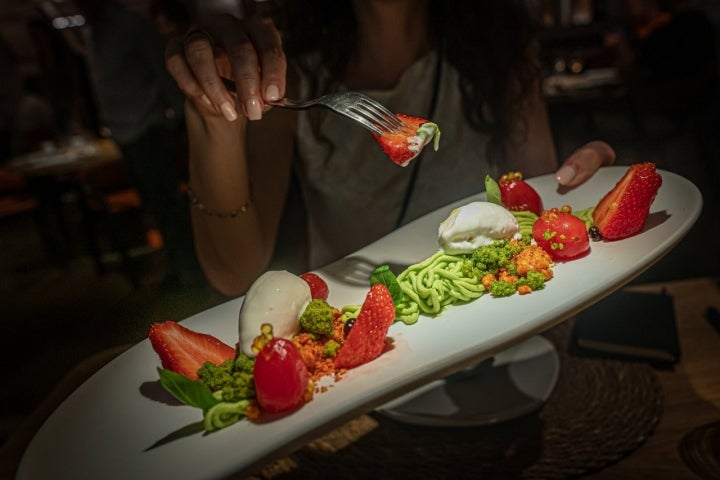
<point>195,202</point>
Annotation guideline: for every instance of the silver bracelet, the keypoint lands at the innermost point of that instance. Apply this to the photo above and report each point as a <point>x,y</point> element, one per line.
<point>195,202</point>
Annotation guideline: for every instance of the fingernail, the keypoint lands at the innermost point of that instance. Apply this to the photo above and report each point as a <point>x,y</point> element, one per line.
<point>272,93</point>
<point>565,174</point>
<point>228,111</point>
<point>253,109</point>
<point>206,100</point>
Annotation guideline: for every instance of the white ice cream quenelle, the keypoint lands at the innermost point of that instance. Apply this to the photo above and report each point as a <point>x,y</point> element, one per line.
<point>474,225</point>
<point>277,297</point>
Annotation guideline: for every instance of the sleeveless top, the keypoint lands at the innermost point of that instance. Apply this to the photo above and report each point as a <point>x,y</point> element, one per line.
<point>354,193</point>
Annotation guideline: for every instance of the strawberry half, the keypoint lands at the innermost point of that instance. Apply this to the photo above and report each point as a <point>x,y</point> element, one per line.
<point>407,144</point>
<point>318,286</point>
<point>623,210</point>
<point>366,339</point>
<point>517,195</point>
<point>184,351</point>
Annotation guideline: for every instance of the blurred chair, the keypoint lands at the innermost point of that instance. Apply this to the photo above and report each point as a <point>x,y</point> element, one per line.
<point>117,226</point>
<point>15,199</point>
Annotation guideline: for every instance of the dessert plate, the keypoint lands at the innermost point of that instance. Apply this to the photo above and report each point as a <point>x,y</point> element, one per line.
<point>121,424</point>
<point>515,382</point>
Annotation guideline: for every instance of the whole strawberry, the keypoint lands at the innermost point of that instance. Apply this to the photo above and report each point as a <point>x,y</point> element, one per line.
<point>561,234</point>
<point>623,210</point>
<point>280,375</point>
<point>517,195</point>
<point>366,339</point>
<point>404,145</point>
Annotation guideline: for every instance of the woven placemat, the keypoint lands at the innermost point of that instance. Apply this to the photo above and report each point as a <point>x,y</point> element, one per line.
<point>599,411</point>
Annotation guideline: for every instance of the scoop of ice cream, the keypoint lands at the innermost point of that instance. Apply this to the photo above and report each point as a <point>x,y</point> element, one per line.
<point>277,297</point>
<point>474,225</point>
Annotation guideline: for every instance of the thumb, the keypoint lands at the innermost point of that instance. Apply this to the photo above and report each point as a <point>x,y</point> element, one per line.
<point>584,162</point>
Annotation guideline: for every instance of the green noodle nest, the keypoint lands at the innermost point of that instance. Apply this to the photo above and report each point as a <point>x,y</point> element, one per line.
<point>434,284</point>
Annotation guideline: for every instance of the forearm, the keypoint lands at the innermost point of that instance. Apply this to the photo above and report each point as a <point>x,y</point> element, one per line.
<point>233,251</point>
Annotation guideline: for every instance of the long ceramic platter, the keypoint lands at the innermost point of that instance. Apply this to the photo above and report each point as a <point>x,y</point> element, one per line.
<point>121,424</point>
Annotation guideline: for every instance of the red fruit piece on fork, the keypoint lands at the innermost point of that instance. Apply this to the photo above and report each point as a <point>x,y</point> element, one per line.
<point>405,144</point>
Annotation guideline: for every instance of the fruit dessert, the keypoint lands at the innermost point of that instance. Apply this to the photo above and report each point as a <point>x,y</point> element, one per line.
<point>622,211</point>
<point>290,337</point>
<point>404,145</point>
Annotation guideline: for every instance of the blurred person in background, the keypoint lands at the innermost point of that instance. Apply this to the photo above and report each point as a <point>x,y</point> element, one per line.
<point>141,109</point>
<point>63,76</point>
<point>668,56</point>
<point>10,91</point>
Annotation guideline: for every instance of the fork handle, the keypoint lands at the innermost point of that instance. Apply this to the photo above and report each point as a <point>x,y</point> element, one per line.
<point>283,102</point>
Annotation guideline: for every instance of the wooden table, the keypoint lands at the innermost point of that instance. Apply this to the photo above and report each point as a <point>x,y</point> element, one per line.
<point>76,156</point>
<point>64,171</point>
<point>691,391</point>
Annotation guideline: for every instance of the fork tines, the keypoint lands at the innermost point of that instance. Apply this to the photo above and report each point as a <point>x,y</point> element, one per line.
<point>377,114</point>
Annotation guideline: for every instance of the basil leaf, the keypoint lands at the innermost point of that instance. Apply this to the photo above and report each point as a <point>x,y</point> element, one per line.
<point>384,275</point>
<point>190,392</point>
<point>492,190</point>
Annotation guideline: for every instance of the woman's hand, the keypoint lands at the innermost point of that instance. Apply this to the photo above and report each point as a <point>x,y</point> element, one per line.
<point>584,162</point>
<point>247,50</point>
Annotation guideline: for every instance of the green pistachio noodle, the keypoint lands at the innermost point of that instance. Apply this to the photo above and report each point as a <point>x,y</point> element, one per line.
<point>224,414</point>
<point>585,215</point>
<point>525,220</point>
<point>434,284</point>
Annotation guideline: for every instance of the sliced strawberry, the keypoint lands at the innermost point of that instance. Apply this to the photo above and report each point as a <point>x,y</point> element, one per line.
<point>517,195</point>
<point>623,210</point>
<point>318,286</point>
<point>366,339</point>
<point>407,144</point>
<point>183,350</point>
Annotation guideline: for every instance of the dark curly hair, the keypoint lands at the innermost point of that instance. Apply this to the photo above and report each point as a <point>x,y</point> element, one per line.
<point>491,43</point>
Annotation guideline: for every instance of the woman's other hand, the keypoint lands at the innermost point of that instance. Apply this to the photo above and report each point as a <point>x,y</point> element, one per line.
<point>584,162</point>
<point>247,50</point>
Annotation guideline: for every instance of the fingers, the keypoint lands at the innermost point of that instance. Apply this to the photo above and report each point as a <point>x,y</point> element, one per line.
<point>245,69</point>
<point>273,65</point>
<point>191,62</point>
<point>258,64</point>
<point>249,50</point>
<point>584,162</point>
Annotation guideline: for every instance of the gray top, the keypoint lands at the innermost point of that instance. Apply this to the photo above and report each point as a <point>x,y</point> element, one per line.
<point>354,193</point>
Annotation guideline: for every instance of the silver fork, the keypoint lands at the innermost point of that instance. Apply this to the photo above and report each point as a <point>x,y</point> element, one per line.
<point>356,106</point>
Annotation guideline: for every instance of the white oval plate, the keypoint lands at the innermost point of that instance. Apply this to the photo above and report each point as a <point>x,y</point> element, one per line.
<point>120,424</point>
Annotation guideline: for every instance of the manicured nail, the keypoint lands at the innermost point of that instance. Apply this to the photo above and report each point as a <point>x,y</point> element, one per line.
<point>253,109</point>
<point>565,174</point>
<point>272,93</point>
<point>228,111</point>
